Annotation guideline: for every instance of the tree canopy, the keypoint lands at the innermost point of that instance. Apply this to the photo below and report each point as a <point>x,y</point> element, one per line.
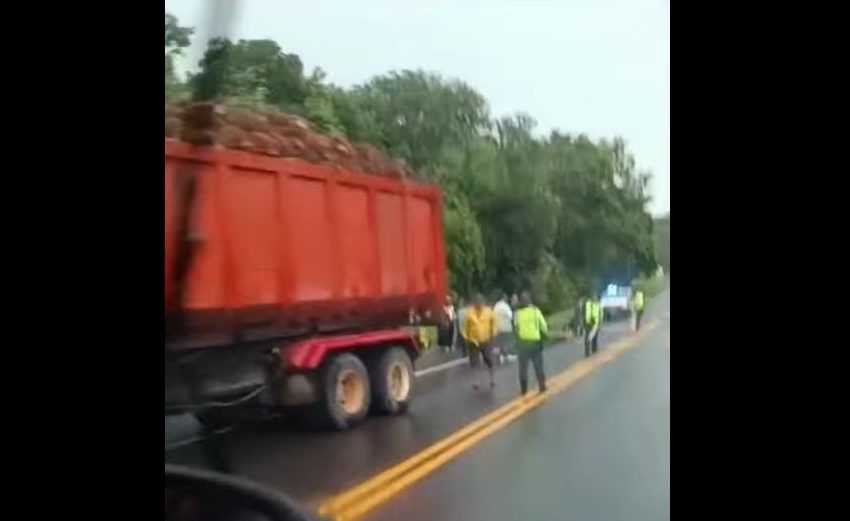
<point>177,38</point>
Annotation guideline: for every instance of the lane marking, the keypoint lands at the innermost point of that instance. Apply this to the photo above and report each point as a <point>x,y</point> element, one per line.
<point>357,501</point>
<point>441,367</point>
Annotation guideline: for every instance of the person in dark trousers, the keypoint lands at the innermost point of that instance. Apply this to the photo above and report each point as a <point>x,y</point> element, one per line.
<point>448,328</point>
<point>531,329</point>
<point>480,330</point>
<point>578,318</point>
<point>592,324</point>
<point>638,304</point>
<point>504,316</point>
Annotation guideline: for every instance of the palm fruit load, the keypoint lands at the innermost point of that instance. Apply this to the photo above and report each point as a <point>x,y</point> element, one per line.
<point>274,134</point>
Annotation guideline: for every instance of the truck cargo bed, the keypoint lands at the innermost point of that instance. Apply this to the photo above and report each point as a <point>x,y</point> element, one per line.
<point>286,248</point>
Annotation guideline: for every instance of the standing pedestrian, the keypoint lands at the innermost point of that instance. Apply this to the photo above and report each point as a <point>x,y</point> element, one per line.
<point>448,327</point>
<point>504,327</point>
<point>638,303</point>
<point>531,331</point>
<point>592,325</point>
<point>578,318</point>
<point>480,328</point>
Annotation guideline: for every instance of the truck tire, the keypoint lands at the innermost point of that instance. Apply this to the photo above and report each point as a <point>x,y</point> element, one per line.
<point>392,381</point>
<point>346,393</point>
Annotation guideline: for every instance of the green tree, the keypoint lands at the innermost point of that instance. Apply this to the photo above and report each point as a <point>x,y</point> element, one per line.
<point>214,79</point>
<point>661,238</point>
<point>417,115</point>
<point>357,116</point>
<point>518,212</point>
<point>465,256</point>
<point>254,70</point>
<point>322,105</point>
<point>177,38</point>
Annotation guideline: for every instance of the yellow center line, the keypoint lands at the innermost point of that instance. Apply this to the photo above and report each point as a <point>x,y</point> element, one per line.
<point>355,502</point>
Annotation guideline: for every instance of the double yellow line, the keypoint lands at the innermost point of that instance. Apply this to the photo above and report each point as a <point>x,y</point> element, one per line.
<point>354,503</point>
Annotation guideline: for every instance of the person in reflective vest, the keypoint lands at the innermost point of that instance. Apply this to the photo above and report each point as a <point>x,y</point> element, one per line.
<point>530,329</point>
<point>592,324</point>
<point>638,303</point>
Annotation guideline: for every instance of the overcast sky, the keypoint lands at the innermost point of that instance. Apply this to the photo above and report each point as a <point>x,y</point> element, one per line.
<point>601,67</point>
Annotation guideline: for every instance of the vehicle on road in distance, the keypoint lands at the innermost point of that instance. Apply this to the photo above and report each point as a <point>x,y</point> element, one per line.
<point>616,301</point>
<point>287,284</point>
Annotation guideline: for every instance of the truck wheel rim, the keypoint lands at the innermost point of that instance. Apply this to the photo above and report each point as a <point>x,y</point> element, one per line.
<point>399,382</point>
<point>350,392</point>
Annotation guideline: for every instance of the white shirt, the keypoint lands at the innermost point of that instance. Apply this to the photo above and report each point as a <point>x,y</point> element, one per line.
<point>450,312</point>
<point>504,317</point>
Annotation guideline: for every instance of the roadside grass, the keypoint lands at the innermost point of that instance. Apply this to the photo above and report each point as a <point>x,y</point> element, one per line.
<point>560,320</point>
<point>652,286</point>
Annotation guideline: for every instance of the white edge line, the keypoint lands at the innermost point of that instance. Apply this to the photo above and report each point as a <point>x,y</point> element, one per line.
<point>441,367</point>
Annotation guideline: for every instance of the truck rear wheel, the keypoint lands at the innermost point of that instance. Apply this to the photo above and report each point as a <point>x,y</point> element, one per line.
<point>392,381</point>
<point>346,394</point>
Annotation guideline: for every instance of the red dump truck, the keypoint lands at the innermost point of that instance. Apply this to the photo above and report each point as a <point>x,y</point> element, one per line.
<point>287,285</point>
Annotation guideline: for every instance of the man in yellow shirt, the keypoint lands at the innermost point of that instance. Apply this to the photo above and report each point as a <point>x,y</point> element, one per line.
<point>479,329</point>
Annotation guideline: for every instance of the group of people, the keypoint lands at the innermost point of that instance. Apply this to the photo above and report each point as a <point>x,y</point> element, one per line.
<point>512,328</point>
<point>452,335</point>
<point>515,328</point>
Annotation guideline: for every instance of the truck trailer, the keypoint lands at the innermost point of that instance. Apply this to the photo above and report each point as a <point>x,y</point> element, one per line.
<point>288,285</point>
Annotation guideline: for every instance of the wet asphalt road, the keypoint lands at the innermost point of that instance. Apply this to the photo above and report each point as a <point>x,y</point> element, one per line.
<point>600,450</point>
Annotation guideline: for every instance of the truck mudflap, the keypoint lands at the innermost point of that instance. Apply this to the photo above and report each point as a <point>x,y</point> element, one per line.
<point>310,353</point>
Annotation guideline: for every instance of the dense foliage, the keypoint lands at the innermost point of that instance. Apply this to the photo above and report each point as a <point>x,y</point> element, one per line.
<point>662,242</point>
<point>556,214</point>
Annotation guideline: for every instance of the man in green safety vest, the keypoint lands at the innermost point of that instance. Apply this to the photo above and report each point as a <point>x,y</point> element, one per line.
<point>530,329</point>
<point>638,303</point>
<point>592,324</point>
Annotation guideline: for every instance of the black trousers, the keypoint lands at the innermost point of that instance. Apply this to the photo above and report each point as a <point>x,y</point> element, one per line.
<point>530,351</point>
<point>638,316</point>
<point>445,336</point>
<point>482,352</point>
<point>591,340</point>
<point>462,345</point>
